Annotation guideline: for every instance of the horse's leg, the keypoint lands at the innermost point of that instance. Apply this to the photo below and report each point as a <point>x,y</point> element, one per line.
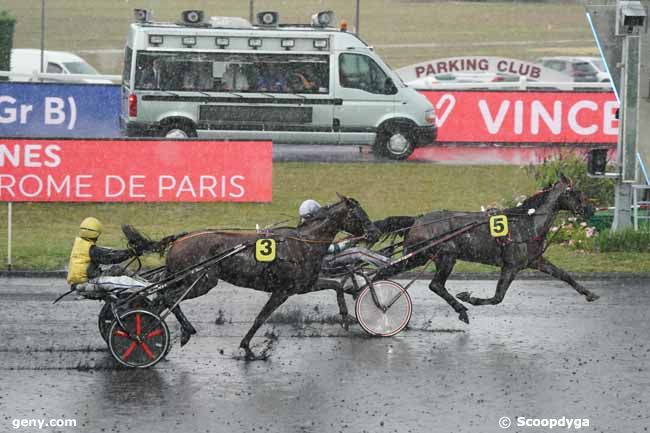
<point>549,268</point>
<point>444,265</point>
<point>330,284</point>
<point>200,288</point>
<point>507,275</point>
<point>276,299</point>
<point>187,330</point>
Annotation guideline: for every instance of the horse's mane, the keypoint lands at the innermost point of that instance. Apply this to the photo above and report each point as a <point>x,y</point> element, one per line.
<point>534,201</point>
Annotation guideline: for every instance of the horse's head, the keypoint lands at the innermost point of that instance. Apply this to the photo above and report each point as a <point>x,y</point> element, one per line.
<point>573,200</point>
<point>353,219</point>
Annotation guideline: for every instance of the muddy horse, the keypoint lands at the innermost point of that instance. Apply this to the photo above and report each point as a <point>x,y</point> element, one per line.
<point>523,247</point>
<point>296,253</point>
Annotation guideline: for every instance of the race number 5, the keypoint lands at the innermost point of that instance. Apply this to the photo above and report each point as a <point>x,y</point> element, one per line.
<point>498,226</point>
<point>265,250</point>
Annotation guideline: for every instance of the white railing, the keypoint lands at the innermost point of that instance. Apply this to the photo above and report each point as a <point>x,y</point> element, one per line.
<point>522,84</point>
<point>64,78</point>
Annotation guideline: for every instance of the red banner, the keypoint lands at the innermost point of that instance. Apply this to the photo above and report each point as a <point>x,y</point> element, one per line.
<point>525,117</point>
<point>130,171</point>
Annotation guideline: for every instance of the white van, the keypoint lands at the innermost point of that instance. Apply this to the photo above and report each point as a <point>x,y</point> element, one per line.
<point>28,61</point>
<point>228,79</point>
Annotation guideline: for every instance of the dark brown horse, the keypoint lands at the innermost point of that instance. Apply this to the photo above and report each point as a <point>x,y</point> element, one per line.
<point>298,256</point>
<point>522,248</point>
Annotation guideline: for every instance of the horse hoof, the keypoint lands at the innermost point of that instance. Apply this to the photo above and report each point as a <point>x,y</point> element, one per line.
<point>463,317</point>
<point>250,356</point>
<point>463,296</point>
<point>346,321</point>
<point>592,297</point>
<point>186,334</point>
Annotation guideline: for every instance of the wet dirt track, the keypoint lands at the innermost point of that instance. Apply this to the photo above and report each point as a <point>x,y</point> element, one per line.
<point>543,353</point>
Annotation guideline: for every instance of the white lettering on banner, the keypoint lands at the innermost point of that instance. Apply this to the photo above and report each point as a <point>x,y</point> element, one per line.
<point>205,186</point>
<point>115,186</point>
<point>73,112</point>
<point>573,118</point>
<point>54,113</point>
<point>241,189</point>
<point>538,111</point>
<point>112,180</point>
<point>450,101</point>
<point>519,117</point>
<point>81,185</point>
<point>31,155</point>
<point>210,188</point>
<point>493,125</point>
<point>610,122</point>
<point>531,118</point>
<point>133,184</point>
<point>9,115</point>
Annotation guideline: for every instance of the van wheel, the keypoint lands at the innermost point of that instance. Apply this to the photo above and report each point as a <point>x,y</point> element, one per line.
<point>395,142</point>
<point>179,130</point>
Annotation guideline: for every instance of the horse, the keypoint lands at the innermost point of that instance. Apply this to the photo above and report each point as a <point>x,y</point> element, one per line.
<point>298,254</point>
<point>467,236</point>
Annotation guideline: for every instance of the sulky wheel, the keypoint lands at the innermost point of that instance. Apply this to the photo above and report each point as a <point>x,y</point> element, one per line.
<point>386,312</point>
<point>106,317</point>
<point>105,320</point>
<point>141,342</point>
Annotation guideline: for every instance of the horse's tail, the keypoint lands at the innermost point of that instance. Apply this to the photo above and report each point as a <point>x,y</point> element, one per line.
<point>394,226</point>
<point>140,242</point>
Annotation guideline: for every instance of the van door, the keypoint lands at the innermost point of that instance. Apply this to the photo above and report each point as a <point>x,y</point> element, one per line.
<point>367,96</point>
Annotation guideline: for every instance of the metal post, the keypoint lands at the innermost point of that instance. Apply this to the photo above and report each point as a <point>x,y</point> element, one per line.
<point>356,18</point>
<point>42,36</point>
<point>627,133</point>
<point>9,216</point>
<point>251,8</point>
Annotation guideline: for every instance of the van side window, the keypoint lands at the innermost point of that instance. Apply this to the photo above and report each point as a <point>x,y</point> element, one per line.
<point>232,72</point>
<point>357,71</point>
<point>53,68</point>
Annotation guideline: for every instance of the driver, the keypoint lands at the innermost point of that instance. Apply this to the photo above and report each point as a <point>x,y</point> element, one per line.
<point>343,252</point>
<point>85,273</point>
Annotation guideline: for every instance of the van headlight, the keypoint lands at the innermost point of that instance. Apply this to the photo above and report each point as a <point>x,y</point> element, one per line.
<point>430,116</point>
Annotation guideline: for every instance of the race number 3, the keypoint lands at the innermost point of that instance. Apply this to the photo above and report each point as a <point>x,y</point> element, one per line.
<point>498,226</point>
<point>265,250</point>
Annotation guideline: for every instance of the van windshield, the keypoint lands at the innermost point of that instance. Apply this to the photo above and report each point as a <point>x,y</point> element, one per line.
<point>80,68</point>
<point>232,72</point>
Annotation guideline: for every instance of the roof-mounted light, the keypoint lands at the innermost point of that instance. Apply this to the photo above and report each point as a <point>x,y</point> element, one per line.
<point>222,42</point>
<point>142,15</point>
<point>189,41</point>
<point>192,17</point>
<point>322,19</point>
<point>268,18</point>
<point>321,44</point>
<point>156,39</point>
<point>255,42</point>
<point>288,43</point>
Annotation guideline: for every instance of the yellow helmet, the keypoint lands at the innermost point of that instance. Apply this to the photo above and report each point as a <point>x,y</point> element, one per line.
<point>90,228</point>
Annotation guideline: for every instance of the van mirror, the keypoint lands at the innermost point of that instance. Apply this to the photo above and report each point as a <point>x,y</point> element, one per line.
<point>389,87</point>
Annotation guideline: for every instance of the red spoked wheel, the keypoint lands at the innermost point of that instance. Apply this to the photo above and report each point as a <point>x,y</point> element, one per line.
<point>141,341</point>
<point>106,317</point>
<point>384,308</point>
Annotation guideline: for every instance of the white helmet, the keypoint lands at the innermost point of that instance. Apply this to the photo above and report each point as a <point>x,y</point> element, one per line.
<point>308,209</point>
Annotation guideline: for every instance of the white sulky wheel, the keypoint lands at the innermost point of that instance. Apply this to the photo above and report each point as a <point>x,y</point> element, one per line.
<point>388,312</point>
<point>143,341</point>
